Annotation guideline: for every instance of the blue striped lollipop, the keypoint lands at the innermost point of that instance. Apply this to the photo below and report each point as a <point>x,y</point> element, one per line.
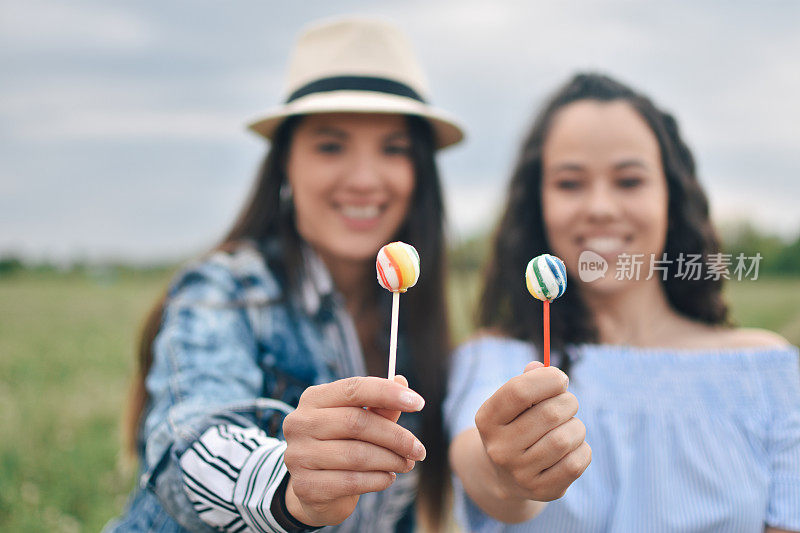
<point>546,278</point>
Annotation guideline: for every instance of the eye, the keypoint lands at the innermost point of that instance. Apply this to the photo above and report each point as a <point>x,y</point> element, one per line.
<point>568,184</point>
<point>330,147</point>
<point>397,149</point>
<point>630,182</point>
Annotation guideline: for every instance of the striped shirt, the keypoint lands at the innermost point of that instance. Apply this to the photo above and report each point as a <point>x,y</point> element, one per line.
<point>230,475</point>
<point>682,440</point>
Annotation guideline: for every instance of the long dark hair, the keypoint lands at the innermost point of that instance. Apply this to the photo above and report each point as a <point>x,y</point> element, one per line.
<point>505,305</point>
<point>425,307</point>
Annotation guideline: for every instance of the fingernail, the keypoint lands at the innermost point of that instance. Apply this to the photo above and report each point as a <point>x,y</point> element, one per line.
<point>412,399</point>
<point>419,450</point>
<point>532,365</point>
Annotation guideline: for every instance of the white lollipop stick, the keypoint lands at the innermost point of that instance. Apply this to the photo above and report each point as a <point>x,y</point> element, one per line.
<point>393,338</point>
<point>397,268</point>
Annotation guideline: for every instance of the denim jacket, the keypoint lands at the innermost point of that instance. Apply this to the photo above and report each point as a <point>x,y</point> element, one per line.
<point>236,349</point>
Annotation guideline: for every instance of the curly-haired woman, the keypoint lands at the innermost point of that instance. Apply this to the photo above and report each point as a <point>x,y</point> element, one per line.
<point>694,425</point>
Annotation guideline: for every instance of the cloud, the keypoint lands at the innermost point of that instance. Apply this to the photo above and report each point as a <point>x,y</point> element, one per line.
<point>773,211</point>
<point>117,109</point>
<point>135,125</point>
<point>156,95</point>
<point>38,25</point>
<point>472,207</point>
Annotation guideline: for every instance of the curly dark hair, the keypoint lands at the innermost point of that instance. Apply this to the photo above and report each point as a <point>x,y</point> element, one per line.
<point>505,305</point>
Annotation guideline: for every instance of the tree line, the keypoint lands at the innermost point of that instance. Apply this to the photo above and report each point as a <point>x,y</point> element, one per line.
<point>780,256</point>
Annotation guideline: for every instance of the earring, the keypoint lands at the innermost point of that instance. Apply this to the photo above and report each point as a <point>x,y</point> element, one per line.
<point>286,197</point>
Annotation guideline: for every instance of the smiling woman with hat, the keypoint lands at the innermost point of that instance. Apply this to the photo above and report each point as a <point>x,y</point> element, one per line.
<point>257,405</point>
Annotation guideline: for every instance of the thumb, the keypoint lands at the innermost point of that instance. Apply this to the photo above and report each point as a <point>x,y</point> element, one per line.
<point>533,364</point>
<point>388,413</point>
<point>401,380</point>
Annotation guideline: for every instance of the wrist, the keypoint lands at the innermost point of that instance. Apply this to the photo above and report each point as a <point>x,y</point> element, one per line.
<point>290,516</point>
<point>511,496</point>
<point>513,508</point>
<point>502,492</point>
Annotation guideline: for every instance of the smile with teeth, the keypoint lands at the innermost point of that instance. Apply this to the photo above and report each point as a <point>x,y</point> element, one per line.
<point>360,212</point>
<point>603,245</point>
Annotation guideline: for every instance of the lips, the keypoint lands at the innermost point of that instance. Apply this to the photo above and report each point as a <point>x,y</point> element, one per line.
<point>360,212</point>
<point>604,245</point>
<point>361,217</point>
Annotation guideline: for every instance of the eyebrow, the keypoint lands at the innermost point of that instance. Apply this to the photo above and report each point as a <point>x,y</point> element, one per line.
<point>333,132</point>
<point>397,135</point>
<point>567,166</point>
<point>631,163</point>
<point>341,134</point>
<point>625,163</point>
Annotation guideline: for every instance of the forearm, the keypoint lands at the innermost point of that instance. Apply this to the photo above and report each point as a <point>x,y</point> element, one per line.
<point>470,462</point>
<point>231,474</point>
<point>214,467</point>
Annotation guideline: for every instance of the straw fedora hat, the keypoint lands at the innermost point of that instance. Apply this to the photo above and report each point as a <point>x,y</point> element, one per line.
<point>356,65</point>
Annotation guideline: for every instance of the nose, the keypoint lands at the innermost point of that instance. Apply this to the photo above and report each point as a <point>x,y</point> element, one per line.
<point>601,202</point>
<point>363,171</point>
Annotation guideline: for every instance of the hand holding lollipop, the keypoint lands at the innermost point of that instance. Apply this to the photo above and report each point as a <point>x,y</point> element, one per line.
<point>398,269</point>
<point>546,278</point>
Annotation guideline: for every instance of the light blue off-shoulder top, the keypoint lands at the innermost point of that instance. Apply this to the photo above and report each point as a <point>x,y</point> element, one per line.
<point>682,440</point>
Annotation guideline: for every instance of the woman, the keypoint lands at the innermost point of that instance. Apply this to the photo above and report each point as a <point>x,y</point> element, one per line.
<point>694,425</point>
<point>288,305</point>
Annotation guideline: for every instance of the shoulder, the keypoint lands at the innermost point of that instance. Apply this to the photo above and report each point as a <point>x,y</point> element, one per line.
<point>749,338</point>
<point>491,339</point>
<point>484,362</point>
<point>695,335</point>
<point>754,337</point>
<point>493,349</point>
<point>238,272</point>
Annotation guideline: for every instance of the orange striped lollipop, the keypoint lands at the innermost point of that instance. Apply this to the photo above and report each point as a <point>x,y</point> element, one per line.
<point>397,266</point>
<point>398,269</point>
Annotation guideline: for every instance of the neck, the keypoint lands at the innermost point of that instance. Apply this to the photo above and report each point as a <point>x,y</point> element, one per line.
<point>355,281</point>
<point>638,315</point>
<point>351,278</point>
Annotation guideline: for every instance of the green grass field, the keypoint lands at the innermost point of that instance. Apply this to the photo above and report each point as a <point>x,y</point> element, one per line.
<point>66,352</point>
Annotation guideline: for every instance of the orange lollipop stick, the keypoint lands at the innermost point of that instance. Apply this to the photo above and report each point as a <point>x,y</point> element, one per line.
<point>546,332</point>
<point>546,279</point>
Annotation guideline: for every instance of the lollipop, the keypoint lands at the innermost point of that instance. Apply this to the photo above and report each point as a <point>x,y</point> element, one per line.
<point>398,269</point>
<point>546,278</point>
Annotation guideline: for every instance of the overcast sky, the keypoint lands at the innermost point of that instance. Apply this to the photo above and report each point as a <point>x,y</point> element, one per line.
<point>121,123</point>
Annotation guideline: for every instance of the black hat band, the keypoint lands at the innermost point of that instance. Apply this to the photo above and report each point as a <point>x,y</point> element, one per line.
<point>356,83</point>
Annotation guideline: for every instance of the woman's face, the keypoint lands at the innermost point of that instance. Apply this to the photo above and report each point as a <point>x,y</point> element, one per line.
<point>352,179</point>
<point>603,188</point>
